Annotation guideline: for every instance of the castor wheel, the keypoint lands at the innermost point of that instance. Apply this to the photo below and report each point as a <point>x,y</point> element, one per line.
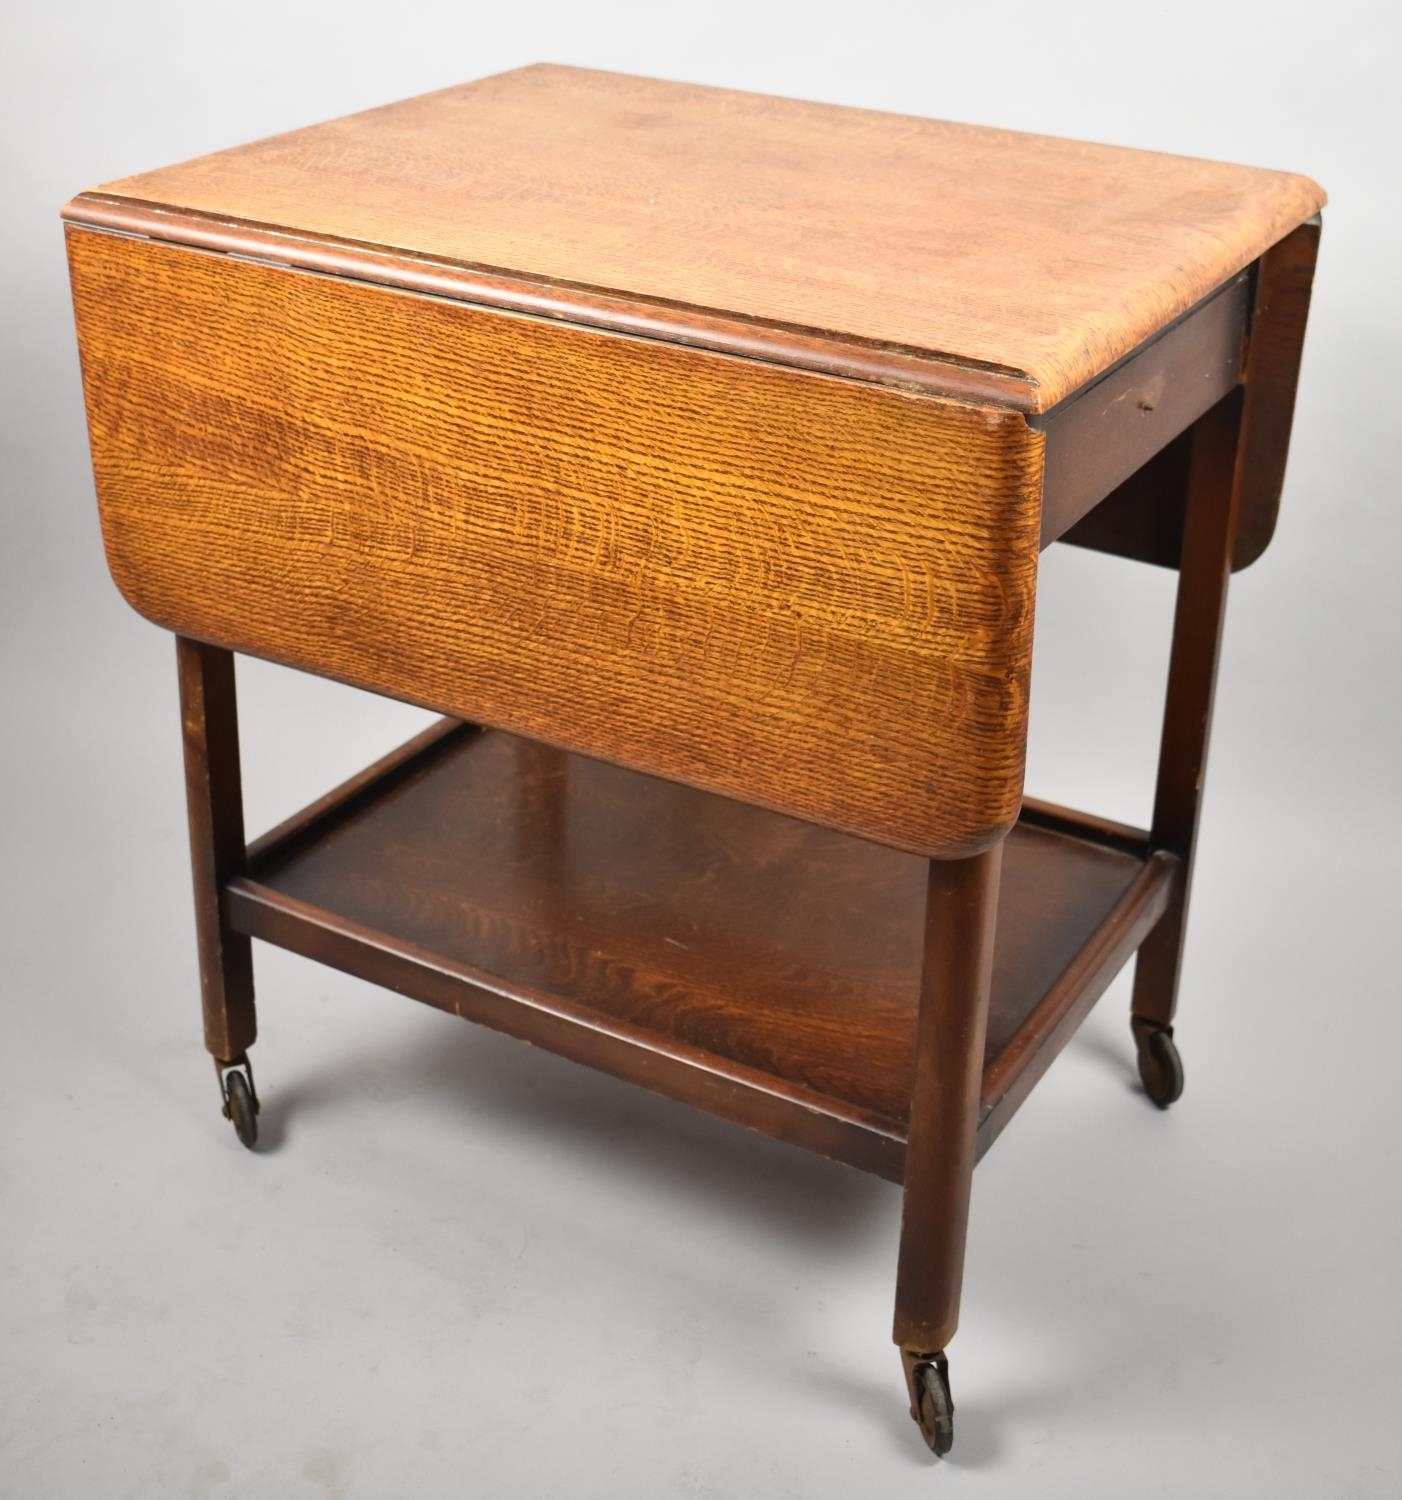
<point>240,1099</point>
<point>931,1404</point>
<point>1160,1066</point>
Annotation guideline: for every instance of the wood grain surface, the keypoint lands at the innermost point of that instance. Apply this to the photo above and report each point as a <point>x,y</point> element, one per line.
<point>990,253</point>
<point>1111,429</point>
<point>1284,285</point>
<point>772,950</point>
<point>1144,518</point>
<point>810,593</point>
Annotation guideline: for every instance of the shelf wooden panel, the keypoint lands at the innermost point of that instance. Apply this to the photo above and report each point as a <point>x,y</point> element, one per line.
<point>764,968</point>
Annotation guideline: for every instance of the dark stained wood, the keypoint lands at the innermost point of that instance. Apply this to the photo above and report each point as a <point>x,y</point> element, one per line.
<point>635,1053</point>
<point>1143,518</point>
<point>962,906</point>
<point>1015,1069</point>
<point>1284,282</point>
<point>1214,497</point>
<point>651,929</point>
<point>1106,433</point>
<point>811,593</point>
<point>313,820</point>
<point>214,801</point>
<point>1082,825</point>
<point>1025,256</point>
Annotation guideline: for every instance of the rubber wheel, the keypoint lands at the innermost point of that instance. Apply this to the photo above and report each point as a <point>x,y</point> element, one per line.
<point>936,1415</point>
<point>1161,1068</point>
<point>243,1111</point>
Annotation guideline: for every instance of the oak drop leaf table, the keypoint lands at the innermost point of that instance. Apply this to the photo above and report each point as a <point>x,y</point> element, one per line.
<point>693,452</point>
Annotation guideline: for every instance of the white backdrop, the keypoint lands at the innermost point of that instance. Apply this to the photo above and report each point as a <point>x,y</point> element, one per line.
<point>464,1268</point>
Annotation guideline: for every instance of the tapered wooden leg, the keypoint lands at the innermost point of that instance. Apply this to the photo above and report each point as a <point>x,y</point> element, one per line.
<point>1209,534</point>
<point>960,912</point>
<point>214,797</point>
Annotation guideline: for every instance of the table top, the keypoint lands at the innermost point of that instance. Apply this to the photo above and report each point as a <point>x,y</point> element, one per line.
<point>957,258</point>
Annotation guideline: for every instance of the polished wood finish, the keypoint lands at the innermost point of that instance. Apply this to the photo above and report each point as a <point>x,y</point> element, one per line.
<point>214,801</point>
<point>1106,433</point>
<point>316,818</point>
<point>813,594</point>
<point>1215,486</point>
<point>1012,1071</point>
<point>951,1027</point>
<point>763,968</point>
<point>1076,824</point>
<point>1284,283</point>
<point>1144,517</point>
<point>1041,260</point>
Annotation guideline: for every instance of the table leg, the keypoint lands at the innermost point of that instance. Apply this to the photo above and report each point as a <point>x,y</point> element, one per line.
<point>214,798</point>
<point>960,911</point>
<point>1209,534</point>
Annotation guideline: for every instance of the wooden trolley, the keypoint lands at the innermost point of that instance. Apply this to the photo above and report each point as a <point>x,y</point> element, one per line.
<point>693,452</point>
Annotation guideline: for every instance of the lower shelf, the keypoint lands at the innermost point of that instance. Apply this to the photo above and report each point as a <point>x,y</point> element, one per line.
<point>759,967</point>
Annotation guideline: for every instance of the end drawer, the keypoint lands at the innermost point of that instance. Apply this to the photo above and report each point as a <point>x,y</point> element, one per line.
<point>806,592</point>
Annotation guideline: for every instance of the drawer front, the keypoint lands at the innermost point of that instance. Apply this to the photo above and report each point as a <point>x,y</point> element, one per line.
<point>806,592</point>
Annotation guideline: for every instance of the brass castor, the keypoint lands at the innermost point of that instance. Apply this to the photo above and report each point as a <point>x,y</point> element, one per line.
<point>931,1404</point>
<point>1160,1066</point>
<point>240,1098</point>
